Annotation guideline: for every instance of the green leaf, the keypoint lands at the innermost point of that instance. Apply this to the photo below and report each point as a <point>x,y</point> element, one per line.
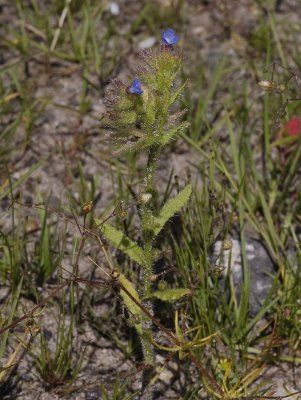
<point>169,134</point>
<point>132,146</point>
<point>177,93</point>
<point>122,242</point>
<point>171,207</point>
<point>170,294</point>
<point>142,143</point>
<point>132,307</point>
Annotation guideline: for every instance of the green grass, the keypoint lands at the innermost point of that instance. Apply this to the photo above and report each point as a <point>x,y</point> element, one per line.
<point>248,181</point>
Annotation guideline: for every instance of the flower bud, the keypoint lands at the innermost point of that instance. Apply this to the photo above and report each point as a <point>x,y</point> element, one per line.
<point>144,198</point>
<point>87,207</point>
<point>227,245</point>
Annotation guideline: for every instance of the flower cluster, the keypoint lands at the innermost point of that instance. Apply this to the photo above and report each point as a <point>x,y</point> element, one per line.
<point>169,39</point>
<point>144,104</point>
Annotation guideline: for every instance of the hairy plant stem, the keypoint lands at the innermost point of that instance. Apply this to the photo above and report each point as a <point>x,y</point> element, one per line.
<point>148,234</point>
<point>147,216</point>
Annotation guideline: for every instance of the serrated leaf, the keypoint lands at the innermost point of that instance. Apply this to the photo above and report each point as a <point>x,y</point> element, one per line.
<point>122,242</point>
<point>170,294</point>
<point>177,93</point>
<point>131,146</point>
<point>170,133</point>
<point>171,207</point>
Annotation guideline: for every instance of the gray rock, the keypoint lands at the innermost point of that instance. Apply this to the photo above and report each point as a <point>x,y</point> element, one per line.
<point>261,268</point>
<point>93,394</point>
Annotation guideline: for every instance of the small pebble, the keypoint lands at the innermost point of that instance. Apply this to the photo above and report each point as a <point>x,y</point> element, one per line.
<point>93,394</point>
<point>147,43</point>
<point>113,7</point>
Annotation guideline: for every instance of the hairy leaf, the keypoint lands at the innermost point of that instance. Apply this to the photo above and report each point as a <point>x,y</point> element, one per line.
<point>169,134</point>
<point>171,207</point>
<point>178,92</point>
<point>132,146</point>
<point>122,242</point>
<point>170,294</point>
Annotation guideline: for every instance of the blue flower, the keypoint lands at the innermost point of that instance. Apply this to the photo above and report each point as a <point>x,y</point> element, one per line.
<point>169,37</point>
<point>135,87</point>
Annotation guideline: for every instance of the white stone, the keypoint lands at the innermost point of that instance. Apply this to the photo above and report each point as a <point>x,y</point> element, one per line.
<point>147,43</point>
<point>113,7</point>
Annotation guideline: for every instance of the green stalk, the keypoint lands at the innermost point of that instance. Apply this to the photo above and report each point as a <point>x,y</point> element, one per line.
<point>151,169</point>
<point>147,216</point>
<point>148,234</point>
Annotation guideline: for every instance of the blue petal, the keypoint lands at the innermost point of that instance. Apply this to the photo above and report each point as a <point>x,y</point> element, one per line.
<point>169,37</point>
<point>135,87</point>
